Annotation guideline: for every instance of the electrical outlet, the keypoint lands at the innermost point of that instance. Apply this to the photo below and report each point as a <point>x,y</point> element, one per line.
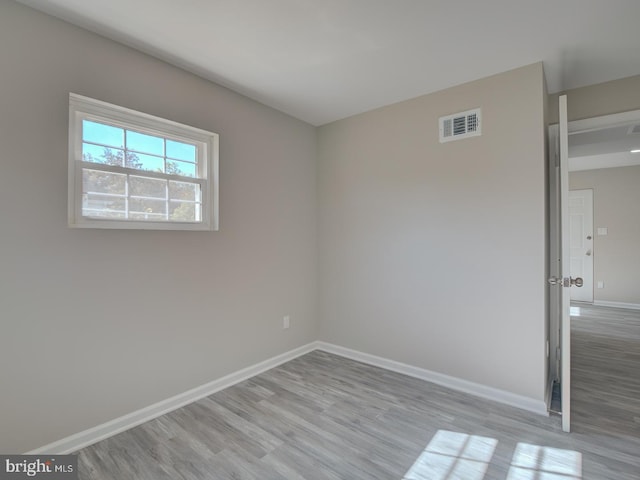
<point>600,284</point>
<point>286,322</point>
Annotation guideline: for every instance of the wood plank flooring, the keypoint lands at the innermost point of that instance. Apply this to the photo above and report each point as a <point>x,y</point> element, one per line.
<point>605,370</point>
<point>321,416</point>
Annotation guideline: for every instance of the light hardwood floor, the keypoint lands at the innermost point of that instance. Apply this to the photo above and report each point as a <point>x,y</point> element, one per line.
<point>321,416</point>
<point>605,371</point>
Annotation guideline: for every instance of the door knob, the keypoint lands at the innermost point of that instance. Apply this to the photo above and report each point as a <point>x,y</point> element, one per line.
<point>588,254</point>
<point>566,281</point>
<point>588,237</point>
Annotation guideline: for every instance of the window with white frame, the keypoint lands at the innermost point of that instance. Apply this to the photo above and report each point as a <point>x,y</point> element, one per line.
<point>128,169</point>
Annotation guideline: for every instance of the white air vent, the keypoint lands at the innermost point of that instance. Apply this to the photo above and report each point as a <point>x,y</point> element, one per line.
<point>634,130</point>
<point>460,125</point>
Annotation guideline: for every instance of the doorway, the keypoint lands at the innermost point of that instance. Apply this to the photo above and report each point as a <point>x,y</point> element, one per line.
<point>604,159</point>
<point>604,177</point>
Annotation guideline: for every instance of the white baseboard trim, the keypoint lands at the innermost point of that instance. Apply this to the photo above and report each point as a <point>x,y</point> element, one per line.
<point>479,390</point>
<point>95,434</point>
<point>630,306</point>
<point>100,432</point>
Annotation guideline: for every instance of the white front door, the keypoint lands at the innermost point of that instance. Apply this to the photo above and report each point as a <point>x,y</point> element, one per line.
<point>581,226</point>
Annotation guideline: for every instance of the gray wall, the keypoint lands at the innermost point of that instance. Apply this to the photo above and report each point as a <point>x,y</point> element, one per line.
<point>616,256</point>
<point>616,96</point>
<point>96,324</point>
<point>435,254</point>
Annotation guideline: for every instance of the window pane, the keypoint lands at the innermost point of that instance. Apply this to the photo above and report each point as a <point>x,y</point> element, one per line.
<point>181,151</point>
<point>184,191</point>
<point>103,206</point>
<point>94,181</point>
<point>144,208</point>
<point>184,212</point>
<point>101,133</point>
<point>98,154</point>
<point>181,168</point>
<point>140,161</point>
<point>145,143</point>
<point>147,187</point>
<point>139,170</point>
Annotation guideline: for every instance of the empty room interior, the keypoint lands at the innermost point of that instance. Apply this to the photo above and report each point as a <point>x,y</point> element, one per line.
<point>279,240</point>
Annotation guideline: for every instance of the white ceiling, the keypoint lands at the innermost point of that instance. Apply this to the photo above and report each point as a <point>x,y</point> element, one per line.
<point>322,60</point>
<point>605,147</point>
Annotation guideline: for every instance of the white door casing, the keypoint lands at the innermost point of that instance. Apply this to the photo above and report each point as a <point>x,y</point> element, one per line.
<point>581,241</point>
<point>565,266</point>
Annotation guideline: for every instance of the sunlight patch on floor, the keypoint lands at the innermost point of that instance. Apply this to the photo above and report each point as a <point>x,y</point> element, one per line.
<point>533,462</point>
<point>458,456</point>
<point>453,456</point>
<point>574,311</point>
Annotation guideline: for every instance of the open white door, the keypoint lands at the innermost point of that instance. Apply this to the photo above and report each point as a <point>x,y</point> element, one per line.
<point>565,265</point>
<point>560,269</point>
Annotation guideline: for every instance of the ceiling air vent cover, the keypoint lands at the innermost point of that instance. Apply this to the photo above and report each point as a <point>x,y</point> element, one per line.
<point>460,125</point>
<point>634,130</point>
